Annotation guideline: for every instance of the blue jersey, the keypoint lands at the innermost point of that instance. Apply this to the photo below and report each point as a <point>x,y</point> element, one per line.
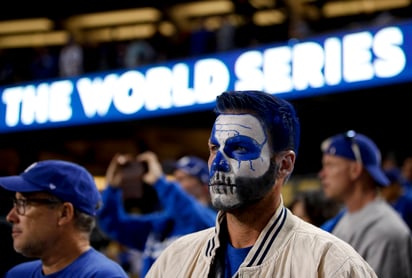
<point>151,233</point>
<point>403,205</point>
<point>89,264</point>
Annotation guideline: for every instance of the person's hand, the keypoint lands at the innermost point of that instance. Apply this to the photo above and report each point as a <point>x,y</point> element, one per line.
<point>154,168</point>
<point>118,174</point>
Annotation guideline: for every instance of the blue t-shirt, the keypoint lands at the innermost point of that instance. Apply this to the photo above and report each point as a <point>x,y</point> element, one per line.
<point>89,264</point>
<point>234,258</point>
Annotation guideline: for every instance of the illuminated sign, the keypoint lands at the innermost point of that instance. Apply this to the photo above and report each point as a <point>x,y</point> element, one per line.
<point>311,67</point>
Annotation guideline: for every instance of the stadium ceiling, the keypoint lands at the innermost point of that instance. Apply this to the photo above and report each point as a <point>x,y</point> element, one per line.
<point>45,23</point>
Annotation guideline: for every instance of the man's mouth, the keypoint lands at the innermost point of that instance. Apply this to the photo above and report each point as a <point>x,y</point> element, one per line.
<point>222,183</point>
<point>15,233</point>
<point>223,189</point>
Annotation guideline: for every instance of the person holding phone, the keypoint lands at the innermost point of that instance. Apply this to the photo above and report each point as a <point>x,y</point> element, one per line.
<point>184,203</point>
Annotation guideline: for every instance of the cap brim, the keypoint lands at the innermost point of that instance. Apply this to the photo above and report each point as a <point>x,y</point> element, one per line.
<point>378,175</point>
<point>18,184</point>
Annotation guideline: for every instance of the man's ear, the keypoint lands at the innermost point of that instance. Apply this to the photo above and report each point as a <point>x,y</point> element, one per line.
<point>66,213</point>
<point>286,163</point>
<point>356,170</point>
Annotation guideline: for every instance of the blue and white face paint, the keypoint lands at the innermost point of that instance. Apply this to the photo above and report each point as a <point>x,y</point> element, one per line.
<point>241,171</point>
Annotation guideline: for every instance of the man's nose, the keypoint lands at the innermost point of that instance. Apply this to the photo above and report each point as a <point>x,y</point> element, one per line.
<point>12,215</point>
<point>220,163</point>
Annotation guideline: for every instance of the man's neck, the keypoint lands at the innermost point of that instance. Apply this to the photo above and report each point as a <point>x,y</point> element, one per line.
<point>245,225</point>
<point>61,257</point>
<point>359,198</point>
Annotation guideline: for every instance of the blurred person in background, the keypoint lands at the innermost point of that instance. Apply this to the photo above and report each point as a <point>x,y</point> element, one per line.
<point>406,175</point>
<point>395,195</point>
<point>351,173</point>
<point>253,147</point>
<point>312,206</point>
<point>70,60</point>
<point>184,203</point>
<point>53,215</point>
<point>44,64</point>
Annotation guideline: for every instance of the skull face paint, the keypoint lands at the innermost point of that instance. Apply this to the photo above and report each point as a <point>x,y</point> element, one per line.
<point>241,170</point>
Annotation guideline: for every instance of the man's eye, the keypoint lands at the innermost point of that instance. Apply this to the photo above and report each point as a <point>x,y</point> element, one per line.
<point>213,148</point>
<point>240,149</point>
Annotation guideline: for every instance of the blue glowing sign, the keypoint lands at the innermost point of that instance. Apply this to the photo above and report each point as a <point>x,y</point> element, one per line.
<point>321,65</point>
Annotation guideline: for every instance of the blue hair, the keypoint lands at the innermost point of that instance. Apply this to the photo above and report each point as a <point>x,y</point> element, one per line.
<point>276,114</point>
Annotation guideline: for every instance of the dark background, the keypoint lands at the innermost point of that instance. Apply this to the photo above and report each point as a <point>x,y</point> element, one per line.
<point>382,113</point>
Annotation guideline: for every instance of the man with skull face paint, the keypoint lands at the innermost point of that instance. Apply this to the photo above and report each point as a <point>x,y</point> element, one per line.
<point>253,147</point>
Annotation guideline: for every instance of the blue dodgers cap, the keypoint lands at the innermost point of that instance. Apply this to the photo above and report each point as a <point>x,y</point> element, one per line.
<point>67,181</point>
<point>393,175</point>
<point>194,166</point>
<point>358,147</point>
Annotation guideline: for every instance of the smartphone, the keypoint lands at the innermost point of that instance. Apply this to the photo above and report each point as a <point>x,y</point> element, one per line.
<point>132,182</point>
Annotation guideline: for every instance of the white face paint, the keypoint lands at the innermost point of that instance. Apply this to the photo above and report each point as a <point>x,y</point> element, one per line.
<point>239,170</point>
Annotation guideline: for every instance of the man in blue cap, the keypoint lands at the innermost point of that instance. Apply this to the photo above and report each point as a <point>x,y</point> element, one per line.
<point>192,173</point>
<point>55,205</point>
<point>352,174</point>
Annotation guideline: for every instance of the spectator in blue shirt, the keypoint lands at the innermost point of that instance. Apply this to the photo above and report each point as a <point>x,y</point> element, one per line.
<point>55,205</point>
<point>395,195</point>
<point>185,203</point>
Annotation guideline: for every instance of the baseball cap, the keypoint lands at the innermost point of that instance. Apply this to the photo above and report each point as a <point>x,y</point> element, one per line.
<point>393,175</point>
<point>67,181</point>
<point>194,166</point>
<point>358,147</point>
